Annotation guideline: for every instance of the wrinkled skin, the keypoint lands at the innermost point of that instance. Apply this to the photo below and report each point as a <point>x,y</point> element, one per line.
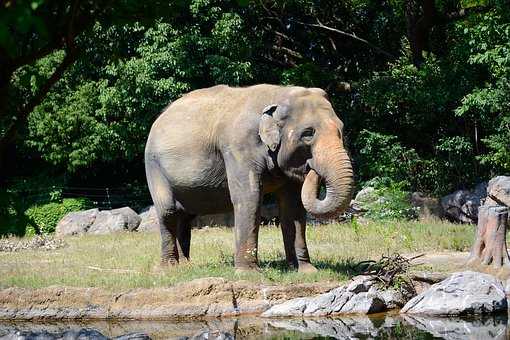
<point>222,148</point>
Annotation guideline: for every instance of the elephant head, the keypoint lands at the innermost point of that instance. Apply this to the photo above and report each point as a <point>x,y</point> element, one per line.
<point>305,134</point>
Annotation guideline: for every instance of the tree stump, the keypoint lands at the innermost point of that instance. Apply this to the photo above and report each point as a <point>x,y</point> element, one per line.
<point>489,253</point>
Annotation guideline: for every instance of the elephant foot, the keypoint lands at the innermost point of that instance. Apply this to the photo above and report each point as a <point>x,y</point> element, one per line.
<point>307,268</point>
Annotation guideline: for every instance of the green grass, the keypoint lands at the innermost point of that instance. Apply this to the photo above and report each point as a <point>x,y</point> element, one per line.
<point>130,260</point>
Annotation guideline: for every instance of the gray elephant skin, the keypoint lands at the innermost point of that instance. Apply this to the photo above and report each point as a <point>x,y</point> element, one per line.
<point>223,148</point>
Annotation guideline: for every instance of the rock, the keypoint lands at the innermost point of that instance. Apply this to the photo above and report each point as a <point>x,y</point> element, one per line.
<point>367,194</point>
<point>72,334</point>
<point>493,327</point>
<point>360,296</point>
<point>358,327</point>
<point>110,221</point>
<point>428,207</point>
<point>462,293</point>
<point>480,189</point>
<point>214,334</point>
<point>214,220</point>
<point>462,205</point>
<point>499,190</point>
<point>76,223</point>
<point>149,220</point>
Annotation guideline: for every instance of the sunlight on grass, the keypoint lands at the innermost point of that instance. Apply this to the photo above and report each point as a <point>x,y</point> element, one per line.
<point>130,260</point>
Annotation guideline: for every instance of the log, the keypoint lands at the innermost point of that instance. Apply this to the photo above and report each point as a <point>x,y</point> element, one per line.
<point>489,253</point>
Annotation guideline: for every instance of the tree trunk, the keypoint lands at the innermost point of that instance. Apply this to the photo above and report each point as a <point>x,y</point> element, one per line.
<point>489,253</point>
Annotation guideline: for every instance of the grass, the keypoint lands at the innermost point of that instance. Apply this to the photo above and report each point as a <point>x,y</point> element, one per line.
<point>129,260</point>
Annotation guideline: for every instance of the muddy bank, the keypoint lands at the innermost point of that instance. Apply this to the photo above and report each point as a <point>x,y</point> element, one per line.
<point>201,298</point>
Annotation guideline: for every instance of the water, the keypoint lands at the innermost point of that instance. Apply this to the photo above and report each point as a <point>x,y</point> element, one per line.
<point>358,327</point>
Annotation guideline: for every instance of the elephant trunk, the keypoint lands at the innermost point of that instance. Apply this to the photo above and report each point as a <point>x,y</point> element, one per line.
<point>330,165</point>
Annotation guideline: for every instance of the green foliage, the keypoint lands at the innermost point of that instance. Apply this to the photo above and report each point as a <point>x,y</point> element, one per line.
<point>102,112</point>
<point>388,201</point>
<point>309,75</point>
<point>44,218</point>
<point>383,156</point>
<point>489,43</point>
<point>434,128</point>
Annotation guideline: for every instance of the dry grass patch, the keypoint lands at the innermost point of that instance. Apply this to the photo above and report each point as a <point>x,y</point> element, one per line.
<point>129,260</point>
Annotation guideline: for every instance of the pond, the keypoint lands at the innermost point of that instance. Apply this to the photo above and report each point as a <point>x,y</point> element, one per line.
<point>360,327</point>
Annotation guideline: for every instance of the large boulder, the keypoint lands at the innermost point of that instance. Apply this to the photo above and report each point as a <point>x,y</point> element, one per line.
<point>76,223</point>
<point>499,190</point>
<point>427,207</point>
<point>149,220</point>
<point>360,296</point>
<point>110,221</point>
<point>462,205</point>
<point>461,294</point>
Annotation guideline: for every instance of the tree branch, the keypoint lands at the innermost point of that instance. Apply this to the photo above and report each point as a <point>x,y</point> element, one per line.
<point>346,34</point>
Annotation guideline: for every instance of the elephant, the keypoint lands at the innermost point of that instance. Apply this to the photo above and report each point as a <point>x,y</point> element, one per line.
<point>222,148</point>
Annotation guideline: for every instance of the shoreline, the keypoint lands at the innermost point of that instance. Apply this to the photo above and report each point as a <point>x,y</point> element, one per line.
<point>204,298</point>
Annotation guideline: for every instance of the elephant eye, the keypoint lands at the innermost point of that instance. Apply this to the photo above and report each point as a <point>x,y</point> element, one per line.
<point>307,135</point>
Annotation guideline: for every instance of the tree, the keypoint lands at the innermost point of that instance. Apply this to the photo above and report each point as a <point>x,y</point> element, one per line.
<point>33,29</point>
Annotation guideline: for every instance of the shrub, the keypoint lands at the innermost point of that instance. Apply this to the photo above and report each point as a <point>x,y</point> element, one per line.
<point>388,201</point>
<point>44,218</point>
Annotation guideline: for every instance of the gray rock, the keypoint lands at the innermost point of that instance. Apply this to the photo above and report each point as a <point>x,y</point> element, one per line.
<point>481,189</point>
<point>76,223</point>
<point>428,207</point>
<point>360,296</point>
<point>499,190</point>
<point>460,294</point>
<point>110,221</point>
<point>338,328</point>
<point>71,334</point>
<point>462,205</point>
<point>149,220</point>
<point>367,194</point>
<point>493,327</point>
<point>214,334</point>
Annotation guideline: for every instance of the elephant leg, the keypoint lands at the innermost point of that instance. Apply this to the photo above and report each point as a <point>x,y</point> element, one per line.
<point>293,225</point>
<point>164,203</point>
<point>246,195</point>
<point>184,236</point>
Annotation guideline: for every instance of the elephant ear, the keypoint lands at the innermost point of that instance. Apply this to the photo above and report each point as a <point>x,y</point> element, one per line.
<point>269,131</point>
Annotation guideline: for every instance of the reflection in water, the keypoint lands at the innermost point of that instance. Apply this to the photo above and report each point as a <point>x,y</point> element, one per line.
<point>361,327</point>
<point>456,329</point>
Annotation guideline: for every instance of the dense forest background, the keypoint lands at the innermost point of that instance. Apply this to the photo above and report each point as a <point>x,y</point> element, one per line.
<point>423,87</point>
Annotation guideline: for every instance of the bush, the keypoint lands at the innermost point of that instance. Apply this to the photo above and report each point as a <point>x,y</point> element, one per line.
<point>44,218</point>
<point>387,201</point>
